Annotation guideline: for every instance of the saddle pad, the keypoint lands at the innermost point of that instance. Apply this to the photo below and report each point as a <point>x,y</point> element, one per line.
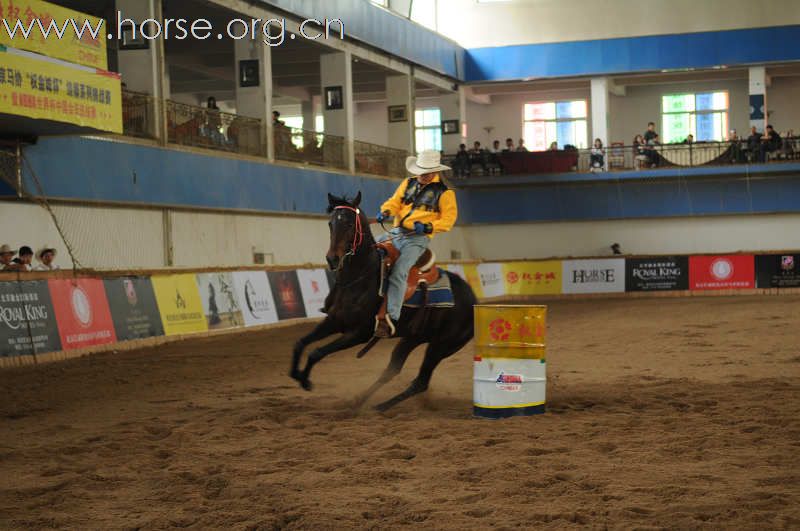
<point>440,294</point>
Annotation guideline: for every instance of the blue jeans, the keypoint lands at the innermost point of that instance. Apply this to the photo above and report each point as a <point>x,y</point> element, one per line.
<point>411,247</point>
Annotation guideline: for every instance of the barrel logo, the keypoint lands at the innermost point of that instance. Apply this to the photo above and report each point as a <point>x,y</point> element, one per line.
<point>509,382</point>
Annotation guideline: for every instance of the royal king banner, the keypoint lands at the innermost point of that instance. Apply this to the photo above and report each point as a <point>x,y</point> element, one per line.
<point>35,87</point>
<point>30,20</point>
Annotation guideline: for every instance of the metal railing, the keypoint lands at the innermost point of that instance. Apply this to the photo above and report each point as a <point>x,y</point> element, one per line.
<point>380,160</point>
<point>309,147</point>
<point>189,125</point>
<point>139,115</point>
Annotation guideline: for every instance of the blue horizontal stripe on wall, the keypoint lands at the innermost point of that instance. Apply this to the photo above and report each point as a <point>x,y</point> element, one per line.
<point>93,169</point>
<point>387,31</point>
<point>634,54</point>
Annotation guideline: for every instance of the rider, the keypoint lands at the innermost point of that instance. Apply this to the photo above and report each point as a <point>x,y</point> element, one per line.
<point>422,206</point>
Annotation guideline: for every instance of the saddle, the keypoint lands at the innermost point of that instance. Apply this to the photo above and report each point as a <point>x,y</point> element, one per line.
<point>422,274</point>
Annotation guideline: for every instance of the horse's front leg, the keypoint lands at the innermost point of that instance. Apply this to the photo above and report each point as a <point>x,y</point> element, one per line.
<point>324,329</point>
<point>344,342</point>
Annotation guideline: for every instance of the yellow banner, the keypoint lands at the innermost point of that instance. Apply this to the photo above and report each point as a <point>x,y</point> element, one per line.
<point>31,20</point>
<point>473,279</point>
<point>47,90</point>
<point>179,304</point>
<point>532,278</point>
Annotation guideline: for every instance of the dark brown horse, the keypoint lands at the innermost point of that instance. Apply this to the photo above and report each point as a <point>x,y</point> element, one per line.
<point>354,300</point>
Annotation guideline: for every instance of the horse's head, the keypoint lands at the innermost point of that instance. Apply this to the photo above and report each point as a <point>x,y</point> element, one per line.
<point>348,225</point>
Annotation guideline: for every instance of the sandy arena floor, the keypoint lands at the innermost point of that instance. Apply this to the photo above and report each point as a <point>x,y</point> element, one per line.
<point>663,413</point>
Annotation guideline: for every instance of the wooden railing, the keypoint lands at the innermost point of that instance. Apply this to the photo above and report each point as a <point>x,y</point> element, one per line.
<point>380,160</point>
<point>213,129</point>
<point>309,147</point>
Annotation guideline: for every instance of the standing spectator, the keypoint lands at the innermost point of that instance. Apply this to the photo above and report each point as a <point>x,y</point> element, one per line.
<point>213,123</point>
<point>553,146</point>
<point>276,119</point>
<point>46,255</point>
<point>770,143</point>
<point>651,138</point>
<point>650,135</point>
<point>597,156</point>
<point>509,146</point>
<point>23,260</point>
<point>521,146</point>
<point>689,139</point>
<point>6,257</point>
<point>754,144</point>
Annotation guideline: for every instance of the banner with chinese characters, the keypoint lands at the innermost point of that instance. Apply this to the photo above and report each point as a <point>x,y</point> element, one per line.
<point>778,271</point>
<point>179,304</point>
<point>314,286</point>
<point>133,308</point>
<point>35,87</point>
<point>68,32</point>
<point>82,313</point>
<point>663,273</point>
<point>27,320</point>
<point>532,278</point>
<point>722,272</point>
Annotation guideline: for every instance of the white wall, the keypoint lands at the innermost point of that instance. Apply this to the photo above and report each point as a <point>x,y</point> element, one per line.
<point>474,24</point>
<point>783,103</point>
<point>371,123</point>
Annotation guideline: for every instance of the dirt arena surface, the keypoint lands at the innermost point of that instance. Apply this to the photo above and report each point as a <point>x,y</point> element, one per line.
<point>662,413</point>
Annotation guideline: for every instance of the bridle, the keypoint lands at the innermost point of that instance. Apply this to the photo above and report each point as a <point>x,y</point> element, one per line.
<point>358,235</point>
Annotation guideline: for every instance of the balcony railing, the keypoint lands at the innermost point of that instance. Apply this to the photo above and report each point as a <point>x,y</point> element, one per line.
<point>189,125</point>
<point>380,160</point>
<point>309,147</point>
<point>139,115</point>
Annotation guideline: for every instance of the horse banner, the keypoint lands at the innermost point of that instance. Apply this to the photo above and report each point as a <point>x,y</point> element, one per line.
<point>288,297</point>
<point>27,319</point>
<point>133,308</point>
<point>663,273</point>
<point>593,276</point>
<point>314,287</point>
<point>82,313</point>
<point>179,304</point>
<point>220,304</point>
<point>254,295</point>
<point>532,278</point>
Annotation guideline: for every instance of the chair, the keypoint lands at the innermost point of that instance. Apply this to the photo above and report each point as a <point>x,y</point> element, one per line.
<point>616,155</point>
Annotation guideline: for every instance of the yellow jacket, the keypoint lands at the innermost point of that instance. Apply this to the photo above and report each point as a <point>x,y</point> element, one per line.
<point>405,214</point>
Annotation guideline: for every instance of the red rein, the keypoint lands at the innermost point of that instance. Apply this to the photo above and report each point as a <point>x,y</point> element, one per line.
<point>358,237</point>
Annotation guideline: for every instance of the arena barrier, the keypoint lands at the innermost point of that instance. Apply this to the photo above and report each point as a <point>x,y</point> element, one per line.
<point>53,316</point>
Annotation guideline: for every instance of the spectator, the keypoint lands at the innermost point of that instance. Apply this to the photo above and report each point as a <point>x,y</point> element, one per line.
<point>495,147</point>
<point>478,156</point>
<point>553,146</point>
<point>651,138</point>
<point>736,154</point>
<point>521,146</point>
<point>46,255</point>
<point>276,119</point>
<point>616,249</point>
<point>689,139</point>
<point>509,145</point>
<point>597,156</point>
<point>23,260</point>
<point>6,257</point>
<point>476,148</point>
<point>640,152</point>
<point>461,162</point>
<point>213,123</point>
<point>754,143</point>
<point>770,143</point>
<point>494,160</point>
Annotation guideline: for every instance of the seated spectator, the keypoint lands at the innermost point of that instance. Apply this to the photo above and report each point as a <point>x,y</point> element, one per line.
<point>640,152</point>
<point>770,143</point>
<point>6,257</point>
<point>461,162</point>
<point>23,260</point>
<point>45,256</point>
<point>495,147</point>
<point>521,146</point>
<point>689,139</point>
<point>597,156</point>
<point>494,160</point>
<point>476,148</point>
<point>736,153</point>
<point>754,144</point>
<point>478,156</point>
<point>553,146</point>
<point>509,146</point>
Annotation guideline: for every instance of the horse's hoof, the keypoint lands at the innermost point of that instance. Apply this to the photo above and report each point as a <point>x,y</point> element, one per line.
<point>382,408</point>
<point>306,384</point>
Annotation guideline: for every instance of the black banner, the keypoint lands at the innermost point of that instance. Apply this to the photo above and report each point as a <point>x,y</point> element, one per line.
<point>133,308</point>
<point>286,292</point>
<point>27,319</point>
<point>778,271</point>
<point>664,273</point>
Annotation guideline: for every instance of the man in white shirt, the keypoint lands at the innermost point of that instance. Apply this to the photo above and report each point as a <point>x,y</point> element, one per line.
<point>46,255</point>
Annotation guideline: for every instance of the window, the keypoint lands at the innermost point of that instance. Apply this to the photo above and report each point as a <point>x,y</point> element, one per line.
<point>563,122</point>
<point>704,115</point>
<point>296,125</point>
<point>428,123</point>
<point>424,13</point>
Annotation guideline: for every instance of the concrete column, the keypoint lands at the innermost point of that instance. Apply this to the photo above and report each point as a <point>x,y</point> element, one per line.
<point>336,70</point>
<point>454,107</point>
<point>758,98</point>
<point>255,101</point>
<point>145,70</point>
<point>309,114</point>
<point>400,90</point>
<point>599,110</point>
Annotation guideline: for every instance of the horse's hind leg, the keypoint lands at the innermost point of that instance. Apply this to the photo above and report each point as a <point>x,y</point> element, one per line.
<point>399,357</point>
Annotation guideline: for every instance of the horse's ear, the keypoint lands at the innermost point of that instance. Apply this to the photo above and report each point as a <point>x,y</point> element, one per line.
<point>331,199</point>
<point>357,200</point>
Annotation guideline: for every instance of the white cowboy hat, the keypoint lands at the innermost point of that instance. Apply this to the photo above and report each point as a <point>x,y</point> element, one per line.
<point>45,249</point>
<point>429,161</point>
<point>6,249</point>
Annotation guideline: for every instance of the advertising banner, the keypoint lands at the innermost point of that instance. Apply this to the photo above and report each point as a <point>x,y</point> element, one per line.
<point>82,313</point>
<point>491,279</point>
<point>83,50</point>
<point>663,273</point>
<point>27,320</point>
<point>220,305</point>
<point>37,88</point>
<point>458,269</point>
<point>287,294</point>
<point>605,275</point>
<point>314,287</point>
<point>722,272</point>
<point>255,297</point>
<point>532,278</point>
<point>473,279</point>
<point>778,271</point>
<point>133,308</point>
<point>179,304</point>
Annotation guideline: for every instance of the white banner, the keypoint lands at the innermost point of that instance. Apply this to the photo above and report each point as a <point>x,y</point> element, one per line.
<point>458,269</point>
<point>255,297</point>
<point>593,276</point>
<point>314,287</point>
<point>491,276</point>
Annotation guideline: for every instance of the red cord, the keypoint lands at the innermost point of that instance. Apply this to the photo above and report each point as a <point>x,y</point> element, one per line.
<point>358,237</point>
